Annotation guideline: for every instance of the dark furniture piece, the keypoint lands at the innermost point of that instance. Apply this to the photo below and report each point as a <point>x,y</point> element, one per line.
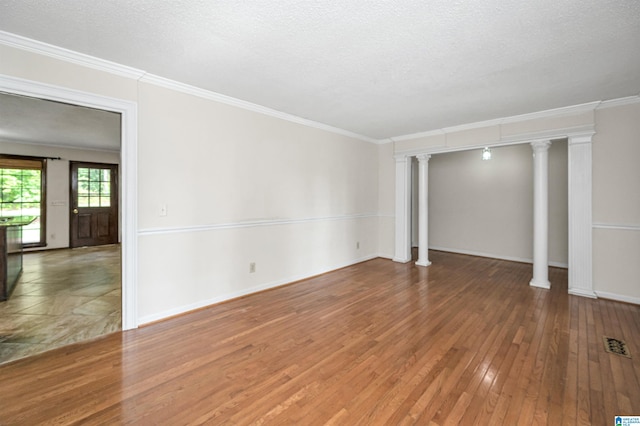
<point>11,253</point>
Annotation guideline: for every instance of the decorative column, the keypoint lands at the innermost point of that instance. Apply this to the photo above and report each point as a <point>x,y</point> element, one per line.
<point>580,215</point>
<point>403,210</point>
<point>540,214</point>
<point>423,210</point>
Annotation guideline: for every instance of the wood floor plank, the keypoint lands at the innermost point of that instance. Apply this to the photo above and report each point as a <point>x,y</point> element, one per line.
<point>464,341</point>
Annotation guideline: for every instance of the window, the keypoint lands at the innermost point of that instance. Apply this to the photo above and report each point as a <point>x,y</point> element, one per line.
<point>94,187</point>
<point>22,185</point>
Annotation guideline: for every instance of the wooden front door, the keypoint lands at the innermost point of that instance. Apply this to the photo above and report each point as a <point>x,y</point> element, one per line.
<point>94,204</point>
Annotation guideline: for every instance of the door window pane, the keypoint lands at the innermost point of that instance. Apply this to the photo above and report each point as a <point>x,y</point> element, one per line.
<point>94,187</point>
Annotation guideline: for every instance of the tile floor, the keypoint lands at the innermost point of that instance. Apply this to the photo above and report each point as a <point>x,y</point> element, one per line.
<point>62,297</point>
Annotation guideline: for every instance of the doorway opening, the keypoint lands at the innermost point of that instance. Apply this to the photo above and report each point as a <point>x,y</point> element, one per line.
<point>485,207</point>
<point>127,112</point>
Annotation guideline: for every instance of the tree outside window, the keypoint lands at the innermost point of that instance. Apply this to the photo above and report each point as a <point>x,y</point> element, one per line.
<point>21,186</point>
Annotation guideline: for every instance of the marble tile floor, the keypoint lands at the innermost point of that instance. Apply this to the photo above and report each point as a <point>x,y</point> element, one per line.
<point>63,296</point>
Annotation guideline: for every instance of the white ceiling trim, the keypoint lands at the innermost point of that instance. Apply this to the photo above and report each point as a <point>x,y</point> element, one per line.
<point>556,112</point>
<point>520,138</point>
<point>60,53</point>
<point>239,103</point>
<point>20,86</point>
<point>629,100</point>
<point>34,46</point>
<point>59,146</point>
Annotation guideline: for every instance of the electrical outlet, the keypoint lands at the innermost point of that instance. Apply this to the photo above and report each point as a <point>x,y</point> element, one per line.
<point>163,209</point>
<point>252,267</point>
<point>358,245</point>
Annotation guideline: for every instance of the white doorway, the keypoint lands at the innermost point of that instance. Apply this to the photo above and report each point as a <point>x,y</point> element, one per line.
<point>128,111</point>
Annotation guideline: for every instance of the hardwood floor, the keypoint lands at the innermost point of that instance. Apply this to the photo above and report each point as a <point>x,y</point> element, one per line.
<point>465,341</point>
<point>62,297</point>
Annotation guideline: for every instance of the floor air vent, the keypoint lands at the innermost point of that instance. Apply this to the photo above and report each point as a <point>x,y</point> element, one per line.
<point>616,346</point>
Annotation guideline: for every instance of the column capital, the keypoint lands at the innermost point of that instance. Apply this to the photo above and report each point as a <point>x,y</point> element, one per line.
<point>580,138</point>
<point>401,158</point>
<point>423,157</point>
<point>540,146</point>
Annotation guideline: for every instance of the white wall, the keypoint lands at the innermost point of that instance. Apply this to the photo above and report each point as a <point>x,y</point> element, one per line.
<point>616,179</point>
<point>57,183</point>
<point>293,199</point>
<point>386,200</point>
<point>616,203</point>
<point>239,187</point>
<point>486,207</point>
<point>243,187</point>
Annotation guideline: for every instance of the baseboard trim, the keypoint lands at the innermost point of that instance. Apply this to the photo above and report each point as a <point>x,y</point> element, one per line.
<point>544,285</point>
<point>618,297</point>
<point>495,256</point>
<point>234,295</point>
<point>582,293</point>
<point>279,283</point>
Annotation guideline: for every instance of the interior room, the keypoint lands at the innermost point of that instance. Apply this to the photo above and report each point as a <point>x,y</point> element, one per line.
<point>65,293</point>
<point>485,207</point>
<point>309,230</point>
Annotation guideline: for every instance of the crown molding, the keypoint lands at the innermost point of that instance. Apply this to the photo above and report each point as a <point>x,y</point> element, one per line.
<point>60,146</point>
<point>612,103</point>
<point>56,52</point>
<point>586,130</point>
<point>93,62</point>
<point>552,113</point>
<point>556,112</point>
<point>419,135</point>
<point>239,103</point>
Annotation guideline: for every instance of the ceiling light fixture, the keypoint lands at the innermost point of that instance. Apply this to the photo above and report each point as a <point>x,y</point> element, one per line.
<point>486,153</point>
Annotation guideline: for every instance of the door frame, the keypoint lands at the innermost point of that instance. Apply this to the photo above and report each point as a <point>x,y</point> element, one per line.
<point>128,173</point>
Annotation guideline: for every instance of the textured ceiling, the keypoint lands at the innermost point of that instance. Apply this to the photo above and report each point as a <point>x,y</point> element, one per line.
<point>24,119</point>
<point>377,68</point>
